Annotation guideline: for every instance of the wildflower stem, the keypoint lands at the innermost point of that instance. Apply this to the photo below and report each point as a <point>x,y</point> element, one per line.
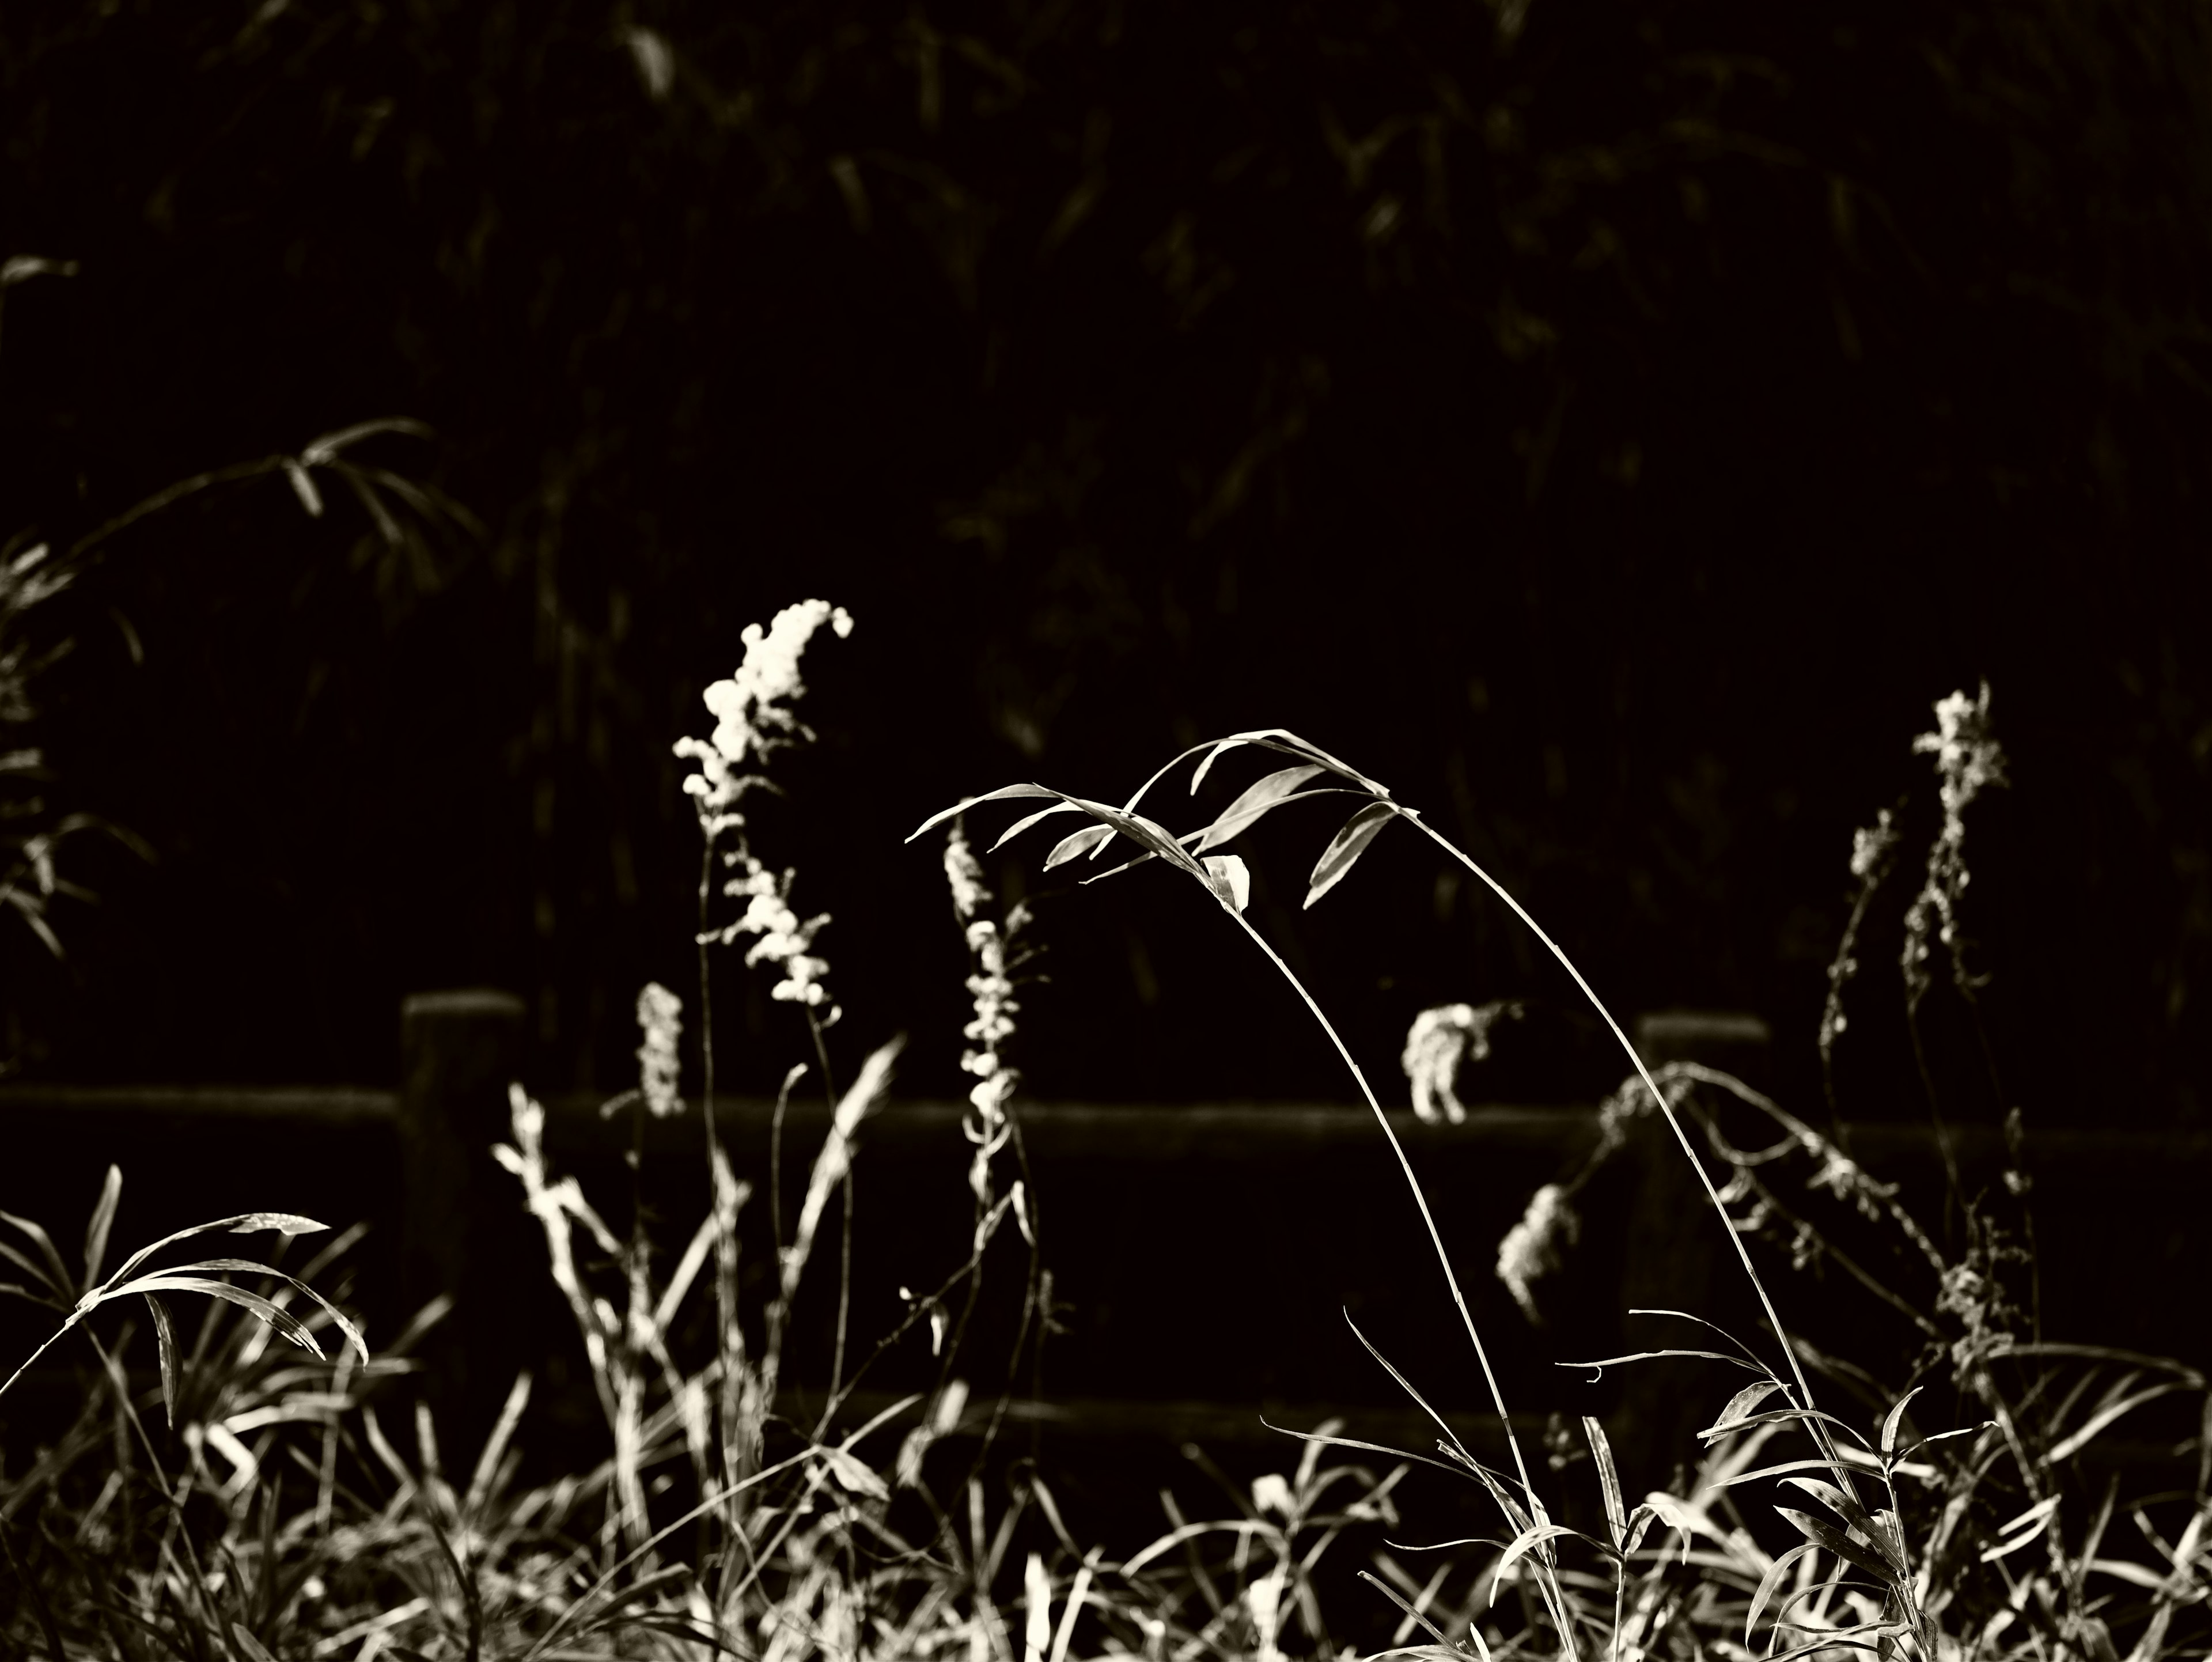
<point>1420,1199</point>
<point>1674,1121</point>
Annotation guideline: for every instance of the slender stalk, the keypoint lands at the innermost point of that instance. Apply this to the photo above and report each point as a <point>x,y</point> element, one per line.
<point>1673,1121</point>
<point>1420,1199</point>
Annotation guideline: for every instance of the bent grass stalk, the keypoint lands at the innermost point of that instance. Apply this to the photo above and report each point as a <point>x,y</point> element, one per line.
<point>1224,877</point>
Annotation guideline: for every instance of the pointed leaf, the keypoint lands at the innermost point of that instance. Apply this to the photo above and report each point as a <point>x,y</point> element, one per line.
<point>1608,1481</point>
<point>254,1303</point>
<point>1826,1535</point>
<point>1845,1508</point>
<point>1231,881</point>
<point>1349,844</point>
<point>1768,1583</point>
<point>1391,1593</point>
<point>1744,1402</point>
<point>1777,1416</point>
<point>1089,840</point>
<point>1027,820</point>
<point>44,1242</point>
<point>245,1223</point>
<point>49,1293</point>
<point>1534,1535</point>
<point>1895,1416</point>
<point>247,1267</point>
<point>1213,756</point>
<point>1246,810</point>
<point>103,1217</point>
<point>1002,794</point>
<point>165,1340</point>
<point>1639,1521</point>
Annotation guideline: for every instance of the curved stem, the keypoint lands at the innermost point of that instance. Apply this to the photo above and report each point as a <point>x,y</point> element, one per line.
<point>1420,1199</point>
<point>40,1352</point>
<point>1674,1121</point>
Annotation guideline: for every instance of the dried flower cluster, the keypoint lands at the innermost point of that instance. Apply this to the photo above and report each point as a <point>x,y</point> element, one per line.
<point>660,1024</point>
<point>1440,1041</point>
<point>1530,1250</point>
<point>1968,761</point>
<point>753,718</point>
<point>991,986</point>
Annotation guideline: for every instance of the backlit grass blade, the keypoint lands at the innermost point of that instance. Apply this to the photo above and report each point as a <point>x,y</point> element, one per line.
<point>1894,1418</point>
<point>165,1342</point>
<point>1349,844</point>
<point>1608,1479</point>
<point>103,1219</point>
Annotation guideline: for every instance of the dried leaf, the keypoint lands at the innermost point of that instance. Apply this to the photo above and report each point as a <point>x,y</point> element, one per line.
<point>1231,881</point>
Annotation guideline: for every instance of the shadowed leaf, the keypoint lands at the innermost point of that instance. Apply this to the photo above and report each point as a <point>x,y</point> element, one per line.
<point>1768,1583</point>
<point>164,1339</point>
<point>1349,844</point>
<point>1824,1535</point>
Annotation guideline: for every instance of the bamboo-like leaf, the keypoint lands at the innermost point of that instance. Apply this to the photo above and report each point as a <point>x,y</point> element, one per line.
<point>1895,1418</point>
<point>1348,845</point>
<point>1845,1508</point>
<point>165,1342</point>
<point>1003,794</point>
<point>247,1267</point>
<point>1220,749</point>
<point>1245,812</point>
<point>1608,1481</point>
<point>1777,1416</point>
<point>1604,1362</point>
<point>1744,1402</point>
<point>1231,882</point>
<point>1768,1583</point>
<point>55,1270</point>
<point>245,1223</point>
<point>1027,820</point>
<point>1826,1535</point>
<point>1089,840</point>
<point>283,1321</point>
<point>1534,1535</point>
<point>103,1219</point>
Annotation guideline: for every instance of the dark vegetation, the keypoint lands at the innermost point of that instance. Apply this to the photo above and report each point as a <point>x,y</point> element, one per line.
<point>1623,418</point>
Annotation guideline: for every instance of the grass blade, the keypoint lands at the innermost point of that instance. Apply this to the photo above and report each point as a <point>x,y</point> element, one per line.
<point>103,1218</point>
<point>164,1340</point>
<point>1608,1478</point>
<point>1768,1583</point>
<point>1348,846</point>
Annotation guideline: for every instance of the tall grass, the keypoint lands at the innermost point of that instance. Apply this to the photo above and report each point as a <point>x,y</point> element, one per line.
<point>271,1513</point>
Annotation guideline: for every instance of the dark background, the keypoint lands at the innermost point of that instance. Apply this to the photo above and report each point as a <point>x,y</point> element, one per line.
<point>1612,428</point>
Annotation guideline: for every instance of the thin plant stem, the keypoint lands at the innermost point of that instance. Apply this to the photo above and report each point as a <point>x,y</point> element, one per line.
<point>1420,1199</point>
<point>1673,1121</point>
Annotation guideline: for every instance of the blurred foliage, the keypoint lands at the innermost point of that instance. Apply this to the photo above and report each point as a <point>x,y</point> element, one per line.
<point>1626,419</point>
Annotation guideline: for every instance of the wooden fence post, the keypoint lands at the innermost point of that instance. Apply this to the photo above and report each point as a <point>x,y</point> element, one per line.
<point>1678,1256</point>
<point>462,1231</point>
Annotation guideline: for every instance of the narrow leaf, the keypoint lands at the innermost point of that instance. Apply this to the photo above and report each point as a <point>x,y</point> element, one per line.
<point>1856,1516</point>
<point>1534,1535</point>
<point>245,1223</point>
<point>164,1340</point>
<point>1245,811</point>
<point>1349,844</point>
<point>1842,1545</point>
<point>1608,1479</point>
<point>44,1242</point>
<point>1001,794</point>
<point>283,1321</point>
<point>1027,820</point>
<point>1211,757</point>
<point>1391,1593</point>
<point>1896,1417</point>
<point>1231,881</point>
<point>1089,840</point>
<point>1744,1401</point>
<point>247,1267</point>
<point>103,1218</point>
<point>1777,1416</point>
<point>1768,1583</point>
